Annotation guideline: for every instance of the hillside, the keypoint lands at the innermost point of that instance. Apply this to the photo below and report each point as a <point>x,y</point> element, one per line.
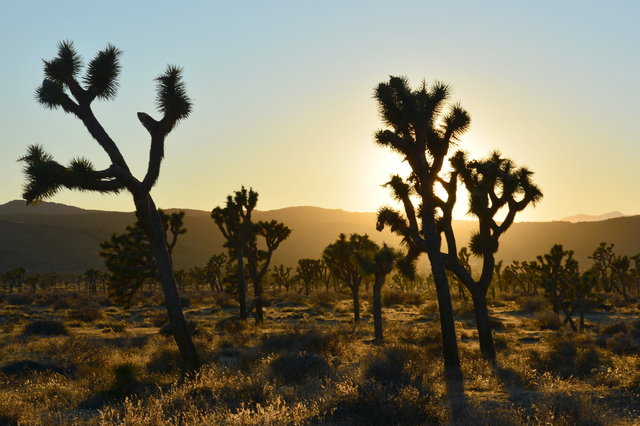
<point>55,237</point>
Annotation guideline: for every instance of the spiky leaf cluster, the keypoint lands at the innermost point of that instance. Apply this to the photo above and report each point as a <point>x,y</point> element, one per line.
<point>101,78</point>
<point>171,96</point>
<point>419,125</point>
<point>46,177</point>
<point>65,66</point>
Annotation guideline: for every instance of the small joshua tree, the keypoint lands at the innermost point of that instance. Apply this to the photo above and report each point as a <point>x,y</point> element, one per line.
<point>129,256</point>
<point>343,257</point>
<point>234,222</point>
<point>380,265</point>
<point>63,88</point>
<point>308,270</point>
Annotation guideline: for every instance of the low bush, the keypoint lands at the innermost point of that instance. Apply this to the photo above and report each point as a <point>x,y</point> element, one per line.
<point>533,303</point>
<point>623,343</point>
<point>296,368</point>
<point>548,320</point>
<point>46,328</point>
<point>86,313</point>
<point>568,356</point>
<point>397,297</point>
<point>389,367</point>
<point>18,299</point>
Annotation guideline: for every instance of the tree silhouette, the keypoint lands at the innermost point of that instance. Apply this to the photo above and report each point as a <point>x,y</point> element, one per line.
<point>282,277</point>
<point>15,278</point>
<point>380,265</point>
<point>493,184</point>
<point>274,233</point>
<point>343,257</point>
<point>214,271</point>
<point>558,274</point>
<point>129,256</point>
<point>63,89</point>
<point>419,129</point>
<point>308,270</point>
<point>234,222</point>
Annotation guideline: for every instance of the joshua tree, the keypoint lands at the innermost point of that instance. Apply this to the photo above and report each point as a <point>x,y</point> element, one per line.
<point>493,184</point>
<point>15,278</point>
<point>214,271</point>
<point>274,233</point>
<point>63,89</point>
<point>381,265</point>
<point>342,257</point>
<point>559,274</point>
<point>234,222</point>
<point>241,234</point>
<point>421,132</point>
<point>129,256</point>
<point>603,258</point>
<point>308,270</point>
<point>91,277</point>
<point>282,277</point>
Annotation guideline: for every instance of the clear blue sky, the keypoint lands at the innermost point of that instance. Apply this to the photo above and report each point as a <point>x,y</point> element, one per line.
<point>283,94</point>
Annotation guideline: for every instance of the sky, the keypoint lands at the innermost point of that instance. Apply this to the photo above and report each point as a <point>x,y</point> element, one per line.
<point>283,95</point>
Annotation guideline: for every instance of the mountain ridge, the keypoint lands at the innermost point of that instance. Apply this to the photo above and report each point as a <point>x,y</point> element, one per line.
<point>68,239</point>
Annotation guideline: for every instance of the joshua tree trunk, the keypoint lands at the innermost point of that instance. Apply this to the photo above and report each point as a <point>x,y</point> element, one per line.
<point>482,323</point>
<point>377,309</point>
<point>447,324</point>
<point>149,217</point>
<point>242,288</point>
<point>257,293</point>
<point>356,304</point>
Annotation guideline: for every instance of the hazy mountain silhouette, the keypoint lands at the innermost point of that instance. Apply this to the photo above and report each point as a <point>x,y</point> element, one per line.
<point>592,218</point>
<point>55,237</point>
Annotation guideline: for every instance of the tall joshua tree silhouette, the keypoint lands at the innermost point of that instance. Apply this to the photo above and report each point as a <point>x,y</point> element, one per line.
<point>234,222</point>
<point>63,89</point>
<point>421,131</point>
<point>493,184</point>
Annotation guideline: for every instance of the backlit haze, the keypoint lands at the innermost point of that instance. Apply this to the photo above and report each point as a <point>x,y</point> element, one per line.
<point>283,95</point>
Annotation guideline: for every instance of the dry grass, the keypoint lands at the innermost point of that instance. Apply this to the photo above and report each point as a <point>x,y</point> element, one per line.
<point>307,365</point>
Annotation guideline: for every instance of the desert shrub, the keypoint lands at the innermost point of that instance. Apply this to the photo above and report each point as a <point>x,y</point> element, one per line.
<point>396,297</point>
<point>18,299</point>
<point>623,343</point>
<point>86,313</point>
<point>615,300</point>
<point>46,328</point>
<point>463,308</point>
<point>192,327</point>
<point>532,303</point>
<point>313,340</point>
<point>388,367</point>
<point>164,361</point>
<point>231,325</point>
<point>158,318</point>
<point>373,404</point>
<point>569,409</point>
<point>125,380</point>
<point>325,299</point>
<point>430,308</point>
<point>295,368</point>
<point>214,299</point>
<point>610,329</point>
<point>570,356</point>
<point>114,327</point>
<point>548,320</point>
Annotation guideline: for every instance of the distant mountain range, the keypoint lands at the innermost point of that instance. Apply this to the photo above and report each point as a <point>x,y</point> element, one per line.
<point>592,218</point>
<point>56,237</point>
